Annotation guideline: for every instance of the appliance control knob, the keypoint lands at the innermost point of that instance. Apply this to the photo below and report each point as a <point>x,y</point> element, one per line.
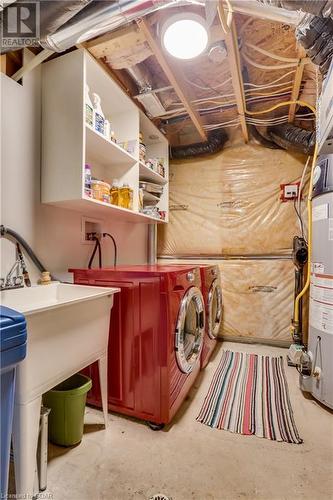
<point>190,276</point>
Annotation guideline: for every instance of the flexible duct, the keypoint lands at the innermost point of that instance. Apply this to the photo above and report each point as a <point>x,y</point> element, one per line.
<point>293,138</point>
<point>214,144</point>
<point>261,138</point>
<point>315,34</point>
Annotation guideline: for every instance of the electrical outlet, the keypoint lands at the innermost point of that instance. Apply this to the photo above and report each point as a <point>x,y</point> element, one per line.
<point>289,192</point>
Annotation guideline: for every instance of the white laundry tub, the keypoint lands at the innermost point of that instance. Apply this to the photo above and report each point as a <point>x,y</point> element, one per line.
<point>68,329</point>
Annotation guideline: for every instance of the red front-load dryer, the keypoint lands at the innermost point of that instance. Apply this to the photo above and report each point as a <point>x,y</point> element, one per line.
<point>212,295</point>
<point>156,337</point>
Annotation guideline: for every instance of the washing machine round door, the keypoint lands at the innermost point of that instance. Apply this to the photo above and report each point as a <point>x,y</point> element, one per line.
<point>214,309</point>
<point>190,328</point>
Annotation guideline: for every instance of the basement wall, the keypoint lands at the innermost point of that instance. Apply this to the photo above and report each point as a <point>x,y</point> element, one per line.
<point>227,207</point>
<point>53,233</point>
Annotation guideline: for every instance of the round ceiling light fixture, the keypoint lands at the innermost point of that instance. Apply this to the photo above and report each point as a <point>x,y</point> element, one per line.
<point>184,35</point>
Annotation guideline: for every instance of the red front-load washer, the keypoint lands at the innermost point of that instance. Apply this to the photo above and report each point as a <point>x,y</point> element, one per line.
<point>156,337</point>
<point>212,295</point>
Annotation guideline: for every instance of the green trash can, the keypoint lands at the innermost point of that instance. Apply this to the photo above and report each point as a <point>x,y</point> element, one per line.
<point>67,402</point>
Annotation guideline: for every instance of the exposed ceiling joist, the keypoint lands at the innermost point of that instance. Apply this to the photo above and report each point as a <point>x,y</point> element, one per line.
<point>116,35</point>
<point>174,78</point>
<point>231,42</point>
<point>297,84</point>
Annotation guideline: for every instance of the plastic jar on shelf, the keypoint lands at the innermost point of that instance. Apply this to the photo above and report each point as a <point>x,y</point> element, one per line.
<point>101,191</point>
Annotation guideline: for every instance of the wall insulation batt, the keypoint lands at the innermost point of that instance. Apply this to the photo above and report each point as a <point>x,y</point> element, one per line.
<point>228,206</point>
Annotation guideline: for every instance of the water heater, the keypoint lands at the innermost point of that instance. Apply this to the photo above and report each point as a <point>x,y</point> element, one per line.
<point>320,343</point>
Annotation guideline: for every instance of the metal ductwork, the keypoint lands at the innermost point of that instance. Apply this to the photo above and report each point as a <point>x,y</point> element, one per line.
<point>140,79</point>
<point>98,18</point>
<point>266,9</point>
<point>146,96</point>
<point>65,23</point>
<point>53,15</point>
<point>321,8</point>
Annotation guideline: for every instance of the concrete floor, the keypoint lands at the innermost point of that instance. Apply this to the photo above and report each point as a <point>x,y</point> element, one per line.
<point>190,461</point>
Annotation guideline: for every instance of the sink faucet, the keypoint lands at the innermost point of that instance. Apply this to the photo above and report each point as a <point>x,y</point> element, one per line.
<point>14,279</point>
<point>17,281</point>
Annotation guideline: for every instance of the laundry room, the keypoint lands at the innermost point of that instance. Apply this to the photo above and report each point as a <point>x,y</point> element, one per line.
<point>166,249</point>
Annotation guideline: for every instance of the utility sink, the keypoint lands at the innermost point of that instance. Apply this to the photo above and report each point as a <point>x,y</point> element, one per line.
<point>45,297</point>
<point>68,329</point>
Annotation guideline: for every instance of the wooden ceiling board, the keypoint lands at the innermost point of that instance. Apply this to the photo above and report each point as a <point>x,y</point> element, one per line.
<point>122,48</point>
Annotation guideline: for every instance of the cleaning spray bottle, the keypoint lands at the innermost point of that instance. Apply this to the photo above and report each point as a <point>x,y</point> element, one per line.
<point>89,109</point>
<point>98,114</point>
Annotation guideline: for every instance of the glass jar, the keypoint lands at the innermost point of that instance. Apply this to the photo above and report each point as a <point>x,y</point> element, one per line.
<point>126,196</point>
<point>115,192</point>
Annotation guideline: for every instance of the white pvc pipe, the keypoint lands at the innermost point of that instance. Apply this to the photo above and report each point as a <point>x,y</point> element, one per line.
<point>32,64</point>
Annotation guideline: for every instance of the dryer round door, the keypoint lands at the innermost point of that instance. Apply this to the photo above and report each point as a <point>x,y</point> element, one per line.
<point>214,309</point>
<point>190,329</point>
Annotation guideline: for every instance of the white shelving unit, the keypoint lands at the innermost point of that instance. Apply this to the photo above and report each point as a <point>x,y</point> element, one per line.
<point>147,174</point>
<point>156,147</point>
<point>69,143</point>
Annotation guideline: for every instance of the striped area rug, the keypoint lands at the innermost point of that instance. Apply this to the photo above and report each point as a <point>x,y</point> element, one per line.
<point>249,395</point>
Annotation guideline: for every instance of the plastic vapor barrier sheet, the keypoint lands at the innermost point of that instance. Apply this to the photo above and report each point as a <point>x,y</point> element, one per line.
<point>229,203</point>
<point>257,298</point>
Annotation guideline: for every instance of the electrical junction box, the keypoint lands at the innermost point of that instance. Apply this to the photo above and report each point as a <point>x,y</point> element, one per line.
<point>325,119</point>
<point>289,191</point>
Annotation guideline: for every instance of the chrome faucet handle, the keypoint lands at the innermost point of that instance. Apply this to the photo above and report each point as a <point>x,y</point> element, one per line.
<point>12,281</point>
<point>17,280</point>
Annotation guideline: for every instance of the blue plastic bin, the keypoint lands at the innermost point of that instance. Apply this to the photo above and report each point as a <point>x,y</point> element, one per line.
<point>13,346</point>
